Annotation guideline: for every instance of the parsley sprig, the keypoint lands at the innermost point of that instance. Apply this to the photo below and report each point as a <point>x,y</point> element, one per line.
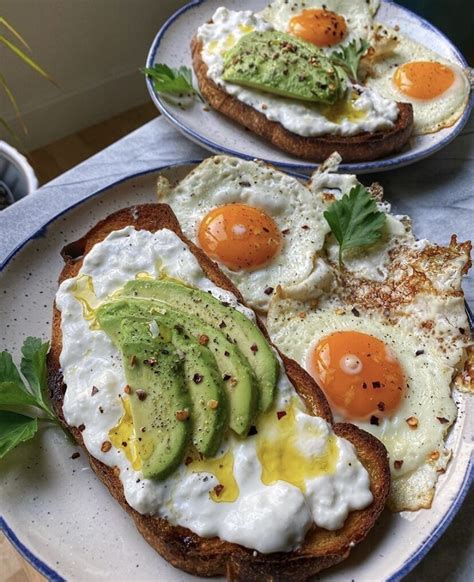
<point>169,81</point>
<point>22,404</point>
<point>347,59</point>
<point>355,220</point>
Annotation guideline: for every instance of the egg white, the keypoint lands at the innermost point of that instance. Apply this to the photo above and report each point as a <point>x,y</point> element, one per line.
<point>225,180</point>
<point>430,115</point>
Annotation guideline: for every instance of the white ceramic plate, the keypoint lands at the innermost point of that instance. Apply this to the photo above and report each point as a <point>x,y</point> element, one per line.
<point>63,520</point>
<point>218,134</point>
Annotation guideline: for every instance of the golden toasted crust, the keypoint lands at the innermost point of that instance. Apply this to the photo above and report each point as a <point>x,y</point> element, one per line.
<point>178,545</point>
<point>362,147</point>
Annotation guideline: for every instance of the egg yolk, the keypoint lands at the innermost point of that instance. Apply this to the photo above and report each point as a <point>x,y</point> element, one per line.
<point>423,79</point>
<point>319,26</point>
<point>359,375</point>
<point>239,236</point>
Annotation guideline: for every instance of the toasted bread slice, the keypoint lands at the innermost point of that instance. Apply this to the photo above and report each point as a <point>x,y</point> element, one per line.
<point>362,147</point>
<point>178,545</point>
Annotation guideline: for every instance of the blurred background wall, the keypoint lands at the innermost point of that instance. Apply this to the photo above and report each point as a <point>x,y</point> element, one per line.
<point>93,49</point>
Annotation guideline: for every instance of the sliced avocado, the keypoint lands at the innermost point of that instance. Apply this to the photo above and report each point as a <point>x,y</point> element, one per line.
<point>239,329</point>
<point>159,402</point>
<point>277,62</point>
<point>239,379</point>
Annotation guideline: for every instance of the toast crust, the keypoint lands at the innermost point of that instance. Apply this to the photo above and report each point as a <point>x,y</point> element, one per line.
<point>362,147</point>
<point>178,545</point>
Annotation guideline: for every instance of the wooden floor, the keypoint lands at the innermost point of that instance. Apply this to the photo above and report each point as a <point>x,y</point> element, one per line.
<point>55,158</point>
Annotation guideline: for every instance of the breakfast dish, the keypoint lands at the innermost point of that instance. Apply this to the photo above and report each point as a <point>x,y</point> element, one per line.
<point>168,381</point>
<point>47,481</point>
<point>375,110</point>
<point>393,308</point>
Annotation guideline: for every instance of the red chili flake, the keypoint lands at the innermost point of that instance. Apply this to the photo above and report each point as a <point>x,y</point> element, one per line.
<point>203,339</point>
<point>374,420</point>
<point>397,464</point>
<point>218,489</point>
<point>188,461</point>
<point>94,390</point>
<point>268,290</point>
<point>254,348</point>
<point>182,415</point>
<point>106,446</point>
<point>364,385</point>
<point>252,431</point>
<point>442,419</point>
<point>127,389</point>
<point>141,395</point>
<point>150,362</point>
<point>75,455</point>
<point>281,414</point>
<point>197,378</point>
<point>381,406</point>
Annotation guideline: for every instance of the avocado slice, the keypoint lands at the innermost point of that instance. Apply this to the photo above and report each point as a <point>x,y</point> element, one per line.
<point>238,329</point>
<point>277,62</point>
<point>237,376</point>
<point>159,402</point>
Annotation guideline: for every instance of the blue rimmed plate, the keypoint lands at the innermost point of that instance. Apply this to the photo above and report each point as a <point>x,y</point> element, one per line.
<point>62,519</point>
<point>218,134</point>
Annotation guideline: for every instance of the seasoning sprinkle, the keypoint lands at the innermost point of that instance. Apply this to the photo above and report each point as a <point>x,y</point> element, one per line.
<point>182,415</point>
<point>281,414</point>
<point>106,446</point>
<point>203,339</point>
<point>213,404</point>
<point>397,464</point>
<point>141,395</point>
<point>412,422</point>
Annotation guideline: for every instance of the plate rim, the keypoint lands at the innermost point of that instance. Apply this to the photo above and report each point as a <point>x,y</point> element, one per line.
<point>51,574</point>
<point>362,167</point>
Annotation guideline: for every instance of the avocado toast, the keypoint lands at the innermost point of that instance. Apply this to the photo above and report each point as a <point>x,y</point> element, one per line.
<point>179,545</point>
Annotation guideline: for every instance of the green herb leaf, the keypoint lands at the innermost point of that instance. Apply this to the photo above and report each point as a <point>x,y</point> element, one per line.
<point>348,58</point>
<point>33,368</point>
<point>172,81</point>
<point>355,220</point>
<point>15,429</point>
<point>13,391</point>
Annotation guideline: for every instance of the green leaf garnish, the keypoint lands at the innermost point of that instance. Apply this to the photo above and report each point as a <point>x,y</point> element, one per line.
<point>14,393</point>
<point>355,220</point>
<point>172,81</point>
<point>347,58</point>
<point>15,429</point>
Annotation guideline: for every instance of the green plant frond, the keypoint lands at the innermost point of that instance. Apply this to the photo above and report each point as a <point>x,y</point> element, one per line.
<point>15,33</point>
<point>8,91</point>
<point>26,59</point>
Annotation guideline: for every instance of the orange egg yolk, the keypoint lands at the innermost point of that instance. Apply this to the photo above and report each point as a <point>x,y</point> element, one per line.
<point>359,375</point>
<point>319,26</point>
<point>423,79</point>
<point>239,236</point>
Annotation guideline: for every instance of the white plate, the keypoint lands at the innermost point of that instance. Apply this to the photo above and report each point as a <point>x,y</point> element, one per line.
<point>63,520</point>
<point>218,134</point>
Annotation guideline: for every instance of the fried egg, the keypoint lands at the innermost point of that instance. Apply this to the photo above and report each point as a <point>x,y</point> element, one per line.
<point>245,494</point>
<point>328,24</point>
<point>361,110</point>
<point>437,88</point>
<point>386,342</point>
<point>262,227</point>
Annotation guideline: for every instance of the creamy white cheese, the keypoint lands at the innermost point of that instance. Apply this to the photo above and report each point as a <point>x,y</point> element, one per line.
<point>224,31</point>
<point>267,518</point>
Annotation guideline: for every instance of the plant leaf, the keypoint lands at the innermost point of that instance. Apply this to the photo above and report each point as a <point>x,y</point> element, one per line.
<point>15,32</point>
<point>15,429</point>
<point>33,368</point>
<point>26,59</point>
<point>172,81</point>
<point>10,95</point>
<point>13,391</point>
<point>355,220</point>
<point>348,57</point>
